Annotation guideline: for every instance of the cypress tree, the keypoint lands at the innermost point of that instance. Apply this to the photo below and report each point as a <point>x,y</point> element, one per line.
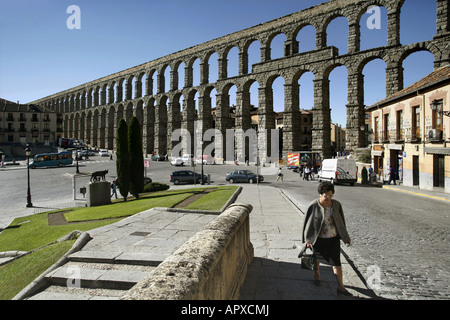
<point>136,157</point>
<point>123,159</point>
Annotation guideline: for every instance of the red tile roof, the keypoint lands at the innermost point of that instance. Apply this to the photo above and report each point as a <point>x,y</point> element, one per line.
<point>439,75</point>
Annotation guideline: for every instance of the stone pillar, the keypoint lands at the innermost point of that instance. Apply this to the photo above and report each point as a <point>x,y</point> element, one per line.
<point>223,65</point>
<point>111,94</point>
<point>188,122</point>
<point>149,129</point>
<point>174,80</point>
<point>354,37</point>
<point>222,124</point>
<point>443,17</point>
<point>138,89</point>
<point>119,92</point>
<point>394,79</point>
<point>204,73</point>
<point>173,122</point>
<point>148,86</point>
<point>98,193</point>
<point>394,28</point>
<point>128,90</point>
<point>188,76</point>
<point>242,125</point>
<point>203,123</point>
<point>243,63</point>
<point>355,112</point>
<point>291,119</point>
<point>161,128</point>
<point>321,131</point>
<point>266,122</point>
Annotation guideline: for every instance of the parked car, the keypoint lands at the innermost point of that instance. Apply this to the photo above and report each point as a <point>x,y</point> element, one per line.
<point>187,159</point>
<point>242,176</point>
<point>158,157</point>
<point>176,161</point>
<point>207,159</point>
<point>103,153</point>
<point>87,153</point>
<point>186,176</point>
<point>147,180</point>
<point>339,170</point>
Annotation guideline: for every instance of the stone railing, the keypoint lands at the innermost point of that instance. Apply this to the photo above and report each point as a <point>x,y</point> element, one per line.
<point>212,265</point>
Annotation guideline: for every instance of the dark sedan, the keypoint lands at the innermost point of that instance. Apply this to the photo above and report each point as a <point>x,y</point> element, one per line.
<point>186,176</point>
<point>158,157</point>
<point>242,176</point>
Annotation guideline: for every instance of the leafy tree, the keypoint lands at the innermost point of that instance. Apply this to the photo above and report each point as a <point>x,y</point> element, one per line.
<point>136,157</point>
<point>123,159</point>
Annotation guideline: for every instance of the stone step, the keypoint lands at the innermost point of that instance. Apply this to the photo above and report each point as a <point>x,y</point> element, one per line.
<point>63,293</point>
<point>128,258</point>
<point>98,275</point>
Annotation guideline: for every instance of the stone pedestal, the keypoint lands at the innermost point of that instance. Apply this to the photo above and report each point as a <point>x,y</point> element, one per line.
<point>98,193</point>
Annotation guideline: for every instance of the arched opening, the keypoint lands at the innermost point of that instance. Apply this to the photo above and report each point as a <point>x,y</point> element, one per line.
<point>417,21</point>
<point>196,72</point>
<point>374,73</point>
<point>306,39</point>
<point>373,28</point>
<point>180,70</point>
<point>416,66</point>
<point>338,78</point>
<point>213,73</point>
<point>277,46</point>
<point>254,54</point>
<point>337,34</point>
<point>233,62</point>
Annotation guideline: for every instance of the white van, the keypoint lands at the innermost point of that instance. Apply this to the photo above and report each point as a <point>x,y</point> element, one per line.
<point>339,170</point>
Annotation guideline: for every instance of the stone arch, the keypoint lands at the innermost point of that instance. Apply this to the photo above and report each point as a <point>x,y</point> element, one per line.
<point>249,56</point>
<point>296,43</point>
<point>280,35</point>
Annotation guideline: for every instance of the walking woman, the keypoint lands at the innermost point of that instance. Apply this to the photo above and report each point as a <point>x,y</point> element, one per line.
<point>323,228</point>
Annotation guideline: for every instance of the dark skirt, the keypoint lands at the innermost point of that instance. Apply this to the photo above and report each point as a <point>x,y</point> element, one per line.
<point>329,251</point>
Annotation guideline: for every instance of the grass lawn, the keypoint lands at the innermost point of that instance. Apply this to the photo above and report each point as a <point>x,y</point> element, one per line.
<point>32,232</point>
<point>16,275</point>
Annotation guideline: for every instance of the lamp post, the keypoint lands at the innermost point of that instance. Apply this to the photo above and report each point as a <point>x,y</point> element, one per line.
<point>76,156</point>
<point>435,104</point>
<point>28,154</point>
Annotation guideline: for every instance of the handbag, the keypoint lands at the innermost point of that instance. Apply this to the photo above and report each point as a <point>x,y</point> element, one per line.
<point>308,260</point>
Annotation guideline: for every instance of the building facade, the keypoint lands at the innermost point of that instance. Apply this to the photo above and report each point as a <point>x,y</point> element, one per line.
<point>411,133</point>
<point>27,124</point>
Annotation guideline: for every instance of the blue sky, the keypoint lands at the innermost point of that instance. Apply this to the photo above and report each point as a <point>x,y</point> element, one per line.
<point>40,56</point>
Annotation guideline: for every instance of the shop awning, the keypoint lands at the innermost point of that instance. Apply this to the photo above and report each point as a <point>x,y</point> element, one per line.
<point>443,151</point>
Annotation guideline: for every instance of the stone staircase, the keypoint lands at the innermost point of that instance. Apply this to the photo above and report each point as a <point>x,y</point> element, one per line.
<point>87,278</point>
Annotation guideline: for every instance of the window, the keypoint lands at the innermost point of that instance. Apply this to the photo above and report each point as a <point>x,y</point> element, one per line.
<point>386,127</point>
<point>399,125</point>
<point>376,126</point>
<point>437,116</point>
<point>415,134</point>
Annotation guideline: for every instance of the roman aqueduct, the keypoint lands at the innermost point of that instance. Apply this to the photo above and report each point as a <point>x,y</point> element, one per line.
<point>92,110</point>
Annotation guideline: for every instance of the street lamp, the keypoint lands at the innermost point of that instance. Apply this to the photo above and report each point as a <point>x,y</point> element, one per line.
<point>76,155</point>
<point>435,104</point>
<point>28,154</point>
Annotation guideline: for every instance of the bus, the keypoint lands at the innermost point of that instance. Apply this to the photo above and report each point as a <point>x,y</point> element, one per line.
<point>51,160</point>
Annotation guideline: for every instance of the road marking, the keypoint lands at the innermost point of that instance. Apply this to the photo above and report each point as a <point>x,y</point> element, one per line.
<point>416,193</point>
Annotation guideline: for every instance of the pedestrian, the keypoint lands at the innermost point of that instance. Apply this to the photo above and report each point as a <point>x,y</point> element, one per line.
<point>370,175</point>
<point>114,189</point>
<point>364,175</point>
<point>110,157</point>
<point>323,228</point>
<point>392,175</point>
<point>306,173</point>
<point>280,175</point>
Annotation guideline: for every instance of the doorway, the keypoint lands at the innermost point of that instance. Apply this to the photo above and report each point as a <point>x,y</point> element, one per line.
<point>438,171</point>
<point>416,169</point>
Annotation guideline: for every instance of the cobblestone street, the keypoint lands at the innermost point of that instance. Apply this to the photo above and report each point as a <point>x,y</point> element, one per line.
<point>400,242</point>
